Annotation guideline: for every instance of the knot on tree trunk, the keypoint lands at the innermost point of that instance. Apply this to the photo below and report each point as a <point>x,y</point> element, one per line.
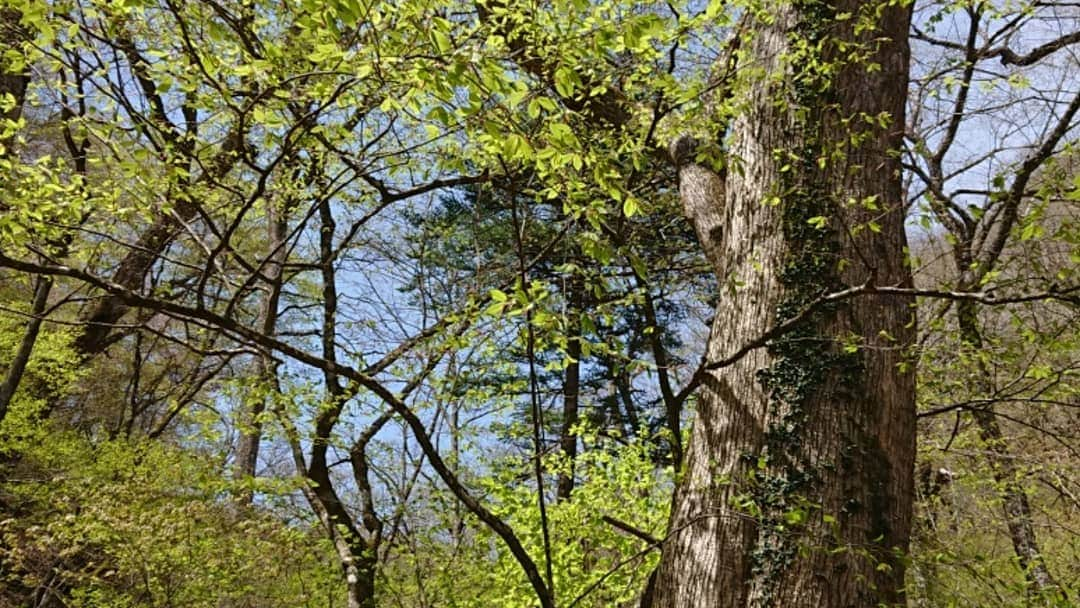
<point>683,150</point>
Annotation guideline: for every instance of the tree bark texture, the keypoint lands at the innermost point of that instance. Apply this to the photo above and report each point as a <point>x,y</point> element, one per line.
<point>798,483</point>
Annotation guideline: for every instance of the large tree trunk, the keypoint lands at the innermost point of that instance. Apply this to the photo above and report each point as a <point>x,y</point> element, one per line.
<point>798,483</point>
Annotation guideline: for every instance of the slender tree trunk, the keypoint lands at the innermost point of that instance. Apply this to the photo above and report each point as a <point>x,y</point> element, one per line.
<point>571,387</point>
<point>624,394</point>
<point>357,556</point>
<point>672,405</point>
<point>356,561</point>
<point>798,483</point>
<point>17,367</point>
<point>247,451</point>
<point>356,552</point>
<point>1006,474</point>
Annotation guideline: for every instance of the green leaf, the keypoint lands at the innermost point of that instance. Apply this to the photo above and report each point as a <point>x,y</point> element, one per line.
<point>515,146</point>
<point>1031,231</point>
<point>565,79</point>
<point>442,41</point>
<point>324,52</point>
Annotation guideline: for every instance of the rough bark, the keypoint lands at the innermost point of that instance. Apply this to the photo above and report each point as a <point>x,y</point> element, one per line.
<point>798,481</point>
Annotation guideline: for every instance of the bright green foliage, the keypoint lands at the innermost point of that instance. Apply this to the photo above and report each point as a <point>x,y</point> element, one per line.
<point>962,554</point>
<point>51,368</point>
<point>593,562</point>
<point>129,523</point>
<point>38,197</point>
<point>476,166</point>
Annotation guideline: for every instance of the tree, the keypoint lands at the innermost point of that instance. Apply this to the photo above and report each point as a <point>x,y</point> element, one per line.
<point>319,255</point>
<point>798,483</point>
<point>606,335</point>
<point>983,217</point>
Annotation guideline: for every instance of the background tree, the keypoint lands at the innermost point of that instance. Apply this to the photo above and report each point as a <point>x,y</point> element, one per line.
<point>981,186</point>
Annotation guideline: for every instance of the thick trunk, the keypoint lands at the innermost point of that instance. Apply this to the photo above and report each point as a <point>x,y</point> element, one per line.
<point>131,273</point>
<point>798,481</point>
<point>1006,474</point>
